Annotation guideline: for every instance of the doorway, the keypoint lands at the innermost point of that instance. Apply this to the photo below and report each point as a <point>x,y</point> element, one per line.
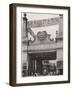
<point>36,65</point>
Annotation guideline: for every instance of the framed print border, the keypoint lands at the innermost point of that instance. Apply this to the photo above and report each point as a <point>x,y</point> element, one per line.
<point>13,44</point>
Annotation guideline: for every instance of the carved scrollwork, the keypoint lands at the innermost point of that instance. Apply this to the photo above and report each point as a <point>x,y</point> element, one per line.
<point>42,35</point>
<point>31,33</point>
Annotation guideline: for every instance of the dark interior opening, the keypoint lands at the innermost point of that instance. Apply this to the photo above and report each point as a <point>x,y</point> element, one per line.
<point>35,62</point>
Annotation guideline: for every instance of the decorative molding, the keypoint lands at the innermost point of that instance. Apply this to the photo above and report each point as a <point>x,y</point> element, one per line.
<point>42,35</point>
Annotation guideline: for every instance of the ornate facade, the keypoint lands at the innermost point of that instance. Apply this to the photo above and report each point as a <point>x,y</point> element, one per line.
<point>42,55</point>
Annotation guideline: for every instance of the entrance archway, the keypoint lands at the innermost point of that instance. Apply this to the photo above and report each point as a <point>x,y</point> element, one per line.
<point>39,63</point>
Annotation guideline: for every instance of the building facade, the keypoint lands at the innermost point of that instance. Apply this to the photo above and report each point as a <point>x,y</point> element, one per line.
<point>42,55</point>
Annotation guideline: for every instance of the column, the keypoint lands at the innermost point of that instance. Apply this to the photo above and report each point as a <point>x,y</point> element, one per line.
<point>61,25</point>
<point>24,46</point>
<point>59,43</point>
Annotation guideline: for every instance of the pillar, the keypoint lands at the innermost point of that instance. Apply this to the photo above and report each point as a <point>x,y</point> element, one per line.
<point>24,54</point>
<point>59,43</point>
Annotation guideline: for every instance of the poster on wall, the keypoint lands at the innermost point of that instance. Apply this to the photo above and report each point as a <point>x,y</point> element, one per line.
<point>39,44</point>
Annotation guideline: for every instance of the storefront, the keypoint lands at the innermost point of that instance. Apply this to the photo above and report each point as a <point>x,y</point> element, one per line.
<point>38,62</point>
<point>42,56</point>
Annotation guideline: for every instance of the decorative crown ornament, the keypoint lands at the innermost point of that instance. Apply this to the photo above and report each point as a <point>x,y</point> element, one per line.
<point>42,35</point>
